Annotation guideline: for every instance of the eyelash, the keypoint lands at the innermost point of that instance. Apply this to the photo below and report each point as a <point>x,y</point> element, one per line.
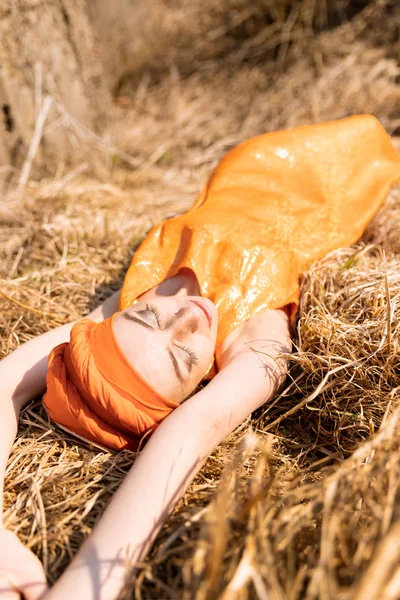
<point>192,356</point>
<point>155,312</point>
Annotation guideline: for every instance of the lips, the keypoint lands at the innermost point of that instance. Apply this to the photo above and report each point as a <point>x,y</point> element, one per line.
<point>205,309</point>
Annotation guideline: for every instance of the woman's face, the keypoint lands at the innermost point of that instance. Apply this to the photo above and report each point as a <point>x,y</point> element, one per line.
<point>170,341</point>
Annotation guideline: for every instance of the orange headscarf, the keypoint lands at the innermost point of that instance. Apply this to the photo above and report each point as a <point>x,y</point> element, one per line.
<point>95,393</point>
<point>272,206</point>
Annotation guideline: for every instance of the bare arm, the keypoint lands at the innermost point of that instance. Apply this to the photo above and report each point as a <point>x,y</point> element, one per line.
<point>23,377</point>
<point>172,457</point>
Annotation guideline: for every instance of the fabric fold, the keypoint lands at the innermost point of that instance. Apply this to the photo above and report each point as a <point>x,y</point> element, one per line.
<point>94,392</point>
<point>273,205</point>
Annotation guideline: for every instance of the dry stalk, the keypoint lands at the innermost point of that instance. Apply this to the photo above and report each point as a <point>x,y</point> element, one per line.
<point>317,512</point>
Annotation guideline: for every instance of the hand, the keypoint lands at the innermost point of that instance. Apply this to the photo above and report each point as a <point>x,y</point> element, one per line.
<point>21,572</point>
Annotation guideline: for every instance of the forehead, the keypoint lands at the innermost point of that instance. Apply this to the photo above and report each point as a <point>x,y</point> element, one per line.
<point>145,349</point>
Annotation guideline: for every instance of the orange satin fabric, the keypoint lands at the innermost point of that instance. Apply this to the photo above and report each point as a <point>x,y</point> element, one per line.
<point>95,393</point>
<point>273,205</point>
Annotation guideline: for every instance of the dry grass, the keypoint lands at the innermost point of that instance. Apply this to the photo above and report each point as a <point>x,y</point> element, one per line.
<point>308,505</point>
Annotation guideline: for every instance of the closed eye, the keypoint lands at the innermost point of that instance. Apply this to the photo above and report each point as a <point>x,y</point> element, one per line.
<point>151,312</point>
<point>150,315</point>
<point>191,357</point>
<point>152,308</point>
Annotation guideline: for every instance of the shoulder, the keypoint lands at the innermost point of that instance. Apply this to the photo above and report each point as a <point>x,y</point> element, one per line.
<point>252,366</point>
<point>267,332</point>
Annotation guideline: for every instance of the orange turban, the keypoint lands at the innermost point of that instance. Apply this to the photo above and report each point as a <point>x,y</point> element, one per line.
<point>94,392</point>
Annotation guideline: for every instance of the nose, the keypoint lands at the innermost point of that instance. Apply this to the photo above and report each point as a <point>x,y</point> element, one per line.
<point>185,320</point>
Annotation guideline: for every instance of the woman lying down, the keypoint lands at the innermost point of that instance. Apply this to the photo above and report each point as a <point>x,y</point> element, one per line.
<point>210,295</point>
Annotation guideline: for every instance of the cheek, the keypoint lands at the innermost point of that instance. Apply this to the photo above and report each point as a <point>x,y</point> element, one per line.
<point>208,350</point>
<point>206,356</point>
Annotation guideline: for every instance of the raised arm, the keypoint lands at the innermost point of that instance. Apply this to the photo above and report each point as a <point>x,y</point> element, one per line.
<point>23,377</point>
<point>250,374</point>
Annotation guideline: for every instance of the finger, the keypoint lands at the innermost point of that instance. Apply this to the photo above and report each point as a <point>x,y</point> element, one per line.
<point>35,587</point>
<point>34,591</point>
<point>7,593</point>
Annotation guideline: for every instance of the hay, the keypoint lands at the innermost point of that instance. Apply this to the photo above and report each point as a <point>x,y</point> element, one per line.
<point>346,372</point>
<point>306,506</point>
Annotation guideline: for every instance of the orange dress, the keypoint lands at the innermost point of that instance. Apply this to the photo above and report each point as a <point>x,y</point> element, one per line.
<point>273,205</point>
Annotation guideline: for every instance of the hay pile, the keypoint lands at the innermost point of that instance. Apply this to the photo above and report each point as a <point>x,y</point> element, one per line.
<point>307,505</point>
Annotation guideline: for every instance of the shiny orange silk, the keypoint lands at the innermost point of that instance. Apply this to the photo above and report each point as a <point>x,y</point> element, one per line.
<point>93,392</point>
<point>273,205</point>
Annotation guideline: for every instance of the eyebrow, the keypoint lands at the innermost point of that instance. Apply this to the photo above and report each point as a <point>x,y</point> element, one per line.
<point>175,363</point>
<point>176,366</point>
